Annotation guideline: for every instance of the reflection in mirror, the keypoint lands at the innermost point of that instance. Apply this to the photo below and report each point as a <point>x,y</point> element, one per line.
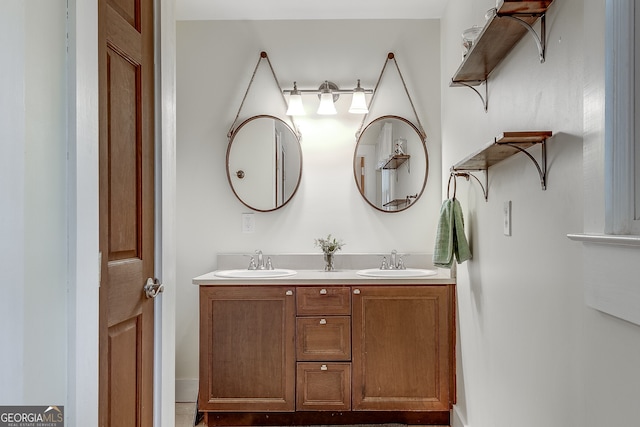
<point>390,164</point>
<point>264,163</point>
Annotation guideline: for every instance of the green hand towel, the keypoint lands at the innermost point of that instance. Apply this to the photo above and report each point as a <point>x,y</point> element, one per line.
<point>450,239</point>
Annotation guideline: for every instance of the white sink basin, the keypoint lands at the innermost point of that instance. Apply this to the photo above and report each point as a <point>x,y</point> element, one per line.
<point>397,274</point>
<point>255,274</point>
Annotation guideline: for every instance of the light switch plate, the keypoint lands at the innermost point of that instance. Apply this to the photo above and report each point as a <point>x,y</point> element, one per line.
<point>507,218</point>
<point>248,223</point>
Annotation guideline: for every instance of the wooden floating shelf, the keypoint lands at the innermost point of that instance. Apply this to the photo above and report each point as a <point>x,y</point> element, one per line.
<point>513,19</point>
<point>504,146</point>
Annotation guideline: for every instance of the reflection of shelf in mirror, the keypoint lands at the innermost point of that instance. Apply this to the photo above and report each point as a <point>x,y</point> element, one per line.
<point>397,202</point>
<point>395,161</point>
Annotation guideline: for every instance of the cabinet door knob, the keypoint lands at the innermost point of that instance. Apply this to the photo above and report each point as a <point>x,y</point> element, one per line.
<point>289,292</point>
<point>324,368</point>
<point>323,321</point>
<point>356,291</point>
<point>323,291</point>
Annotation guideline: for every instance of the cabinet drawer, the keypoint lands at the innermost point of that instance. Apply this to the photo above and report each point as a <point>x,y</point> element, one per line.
<point>323,386</point>
<point>323,338</point>
<point>323,300</point>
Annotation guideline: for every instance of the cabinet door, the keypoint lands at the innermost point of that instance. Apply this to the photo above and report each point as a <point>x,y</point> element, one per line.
<point>247,348</point>
<point>402,350</point>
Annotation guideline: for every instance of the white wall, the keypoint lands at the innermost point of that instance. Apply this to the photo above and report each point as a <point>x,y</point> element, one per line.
<point>215,62</point>
<point>33,203</point>
<point>531,352</point>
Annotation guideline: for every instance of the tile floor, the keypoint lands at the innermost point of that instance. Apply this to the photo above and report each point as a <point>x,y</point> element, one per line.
<point>186,414</point>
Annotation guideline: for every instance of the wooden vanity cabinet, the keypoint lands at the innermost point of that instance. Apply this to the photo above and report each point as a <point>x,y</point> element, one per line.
<point>247,348</point>
<point>403,348</point>
<point>302,355</point>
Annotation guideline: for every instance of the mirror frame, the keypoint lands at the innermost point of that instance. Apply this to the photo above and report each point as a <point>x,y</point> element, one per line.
<point>423,140</point>
<point>232,139</point>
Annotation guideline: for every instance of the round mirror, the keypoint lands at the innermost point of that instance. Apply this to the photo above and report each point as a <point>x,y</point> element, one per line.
<point>390,164</point>
<point>264,163</point>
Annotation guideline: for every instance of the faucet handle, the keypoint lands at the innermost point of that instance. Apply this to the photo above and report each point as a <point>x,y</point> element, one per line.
<point>401,264</point>
<point>269,266</point>
<point>384,265</point>
<point>252,264</point>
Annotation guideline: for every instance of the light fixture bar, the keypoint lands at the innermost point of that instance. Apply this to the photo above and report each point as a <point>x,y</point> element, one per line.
<point>319,92</point>
<point>328,92</point>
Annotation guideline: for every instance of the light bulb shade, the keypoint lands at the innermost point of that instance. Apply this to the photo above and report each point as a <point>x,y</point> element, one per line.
<point>326,106</point>
<point>295,105</point>
<point>358,103</point>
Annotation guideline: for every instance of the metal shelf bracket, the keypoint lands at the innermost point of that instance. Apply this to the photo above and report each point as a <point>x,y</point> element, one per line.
<point>485,98</point>
<point>541,41</point>
<point>542,166</point>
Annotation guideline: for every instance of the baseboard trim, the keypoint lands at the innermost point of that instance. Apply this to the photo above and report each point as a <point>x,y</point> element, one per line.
<point>186,390</point>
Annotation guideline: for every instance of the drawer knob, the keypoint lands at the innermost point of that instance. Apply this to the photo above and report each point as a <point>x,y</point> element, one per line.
<point>324,368</point>
<point>356,291</point>
<point>289,292</point>
<point>323,321</point>
<point>323,291</point>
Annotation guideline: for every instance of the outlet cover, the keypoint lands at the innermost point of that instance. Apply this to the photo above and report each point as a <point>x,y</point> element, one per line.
<point>507,218</point>
<point>248,223</point>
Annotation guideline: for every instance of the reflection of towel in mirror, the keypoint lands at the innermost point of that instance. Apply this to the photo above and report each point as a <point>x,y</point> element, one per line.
<point>450,239</point>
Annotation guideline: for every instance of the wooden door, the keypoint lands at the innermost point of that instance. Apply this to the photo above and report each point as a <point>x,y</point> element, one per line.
<point>126,174</point>
<point>402,349</point>
<point>247,349</point>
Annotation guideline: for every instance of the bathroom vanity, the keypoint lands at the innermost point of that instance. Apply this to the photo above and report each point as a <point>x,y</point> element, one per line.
<point>327,348</point>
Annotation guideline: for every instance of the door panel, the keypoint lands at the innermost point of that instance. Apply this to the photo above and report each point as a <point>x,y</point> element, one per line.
<point>126,100</point>
<point>124,340</point>
<point>124,144</point>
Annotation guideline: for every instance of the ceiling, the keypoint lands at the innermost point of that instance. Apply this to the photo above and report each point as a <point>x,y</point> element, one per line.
<point>308,9</point>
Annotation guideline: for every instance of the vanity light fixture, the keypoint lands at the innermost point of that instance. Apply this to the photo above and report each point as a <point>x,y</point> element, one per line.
<point>296,108</point>
<point>328,92</point>
<point>358,101</point>
<point>326,107</point>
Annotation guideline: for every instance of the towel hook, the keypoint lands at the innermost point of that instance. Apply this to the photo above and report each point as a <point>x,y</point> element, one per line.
<point>455,185</point>
<point>467,176</point>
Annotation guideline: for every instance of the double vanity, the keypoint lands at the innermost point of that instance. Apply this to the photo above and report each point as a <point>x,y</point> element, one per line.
<point>302,346</point>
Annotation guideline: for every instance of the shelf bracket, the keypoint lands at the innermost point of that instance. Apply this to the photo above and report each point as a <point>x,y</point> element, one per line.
<point>542,166</point>
<point>485,98</point>
<point>541,41</point>
<point>466,174</point>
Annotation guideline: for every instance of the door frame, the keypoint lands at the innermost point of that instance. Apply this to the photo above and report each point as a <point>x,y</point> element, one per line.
<point>84,265</point>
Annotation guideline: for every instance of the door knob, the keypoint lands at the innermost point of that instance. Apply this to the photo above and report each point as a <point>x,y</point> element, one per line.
<point>152,288</point>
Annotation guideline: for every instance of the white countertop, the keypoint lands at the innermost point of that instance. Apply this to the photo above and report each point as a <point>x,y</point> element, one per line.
<point>319,277</point>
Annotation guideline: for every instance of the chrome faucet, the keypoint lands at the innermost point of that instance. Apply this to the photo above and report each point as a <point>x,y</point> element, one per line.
<point>395,262</point>
<point>260,265</point>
